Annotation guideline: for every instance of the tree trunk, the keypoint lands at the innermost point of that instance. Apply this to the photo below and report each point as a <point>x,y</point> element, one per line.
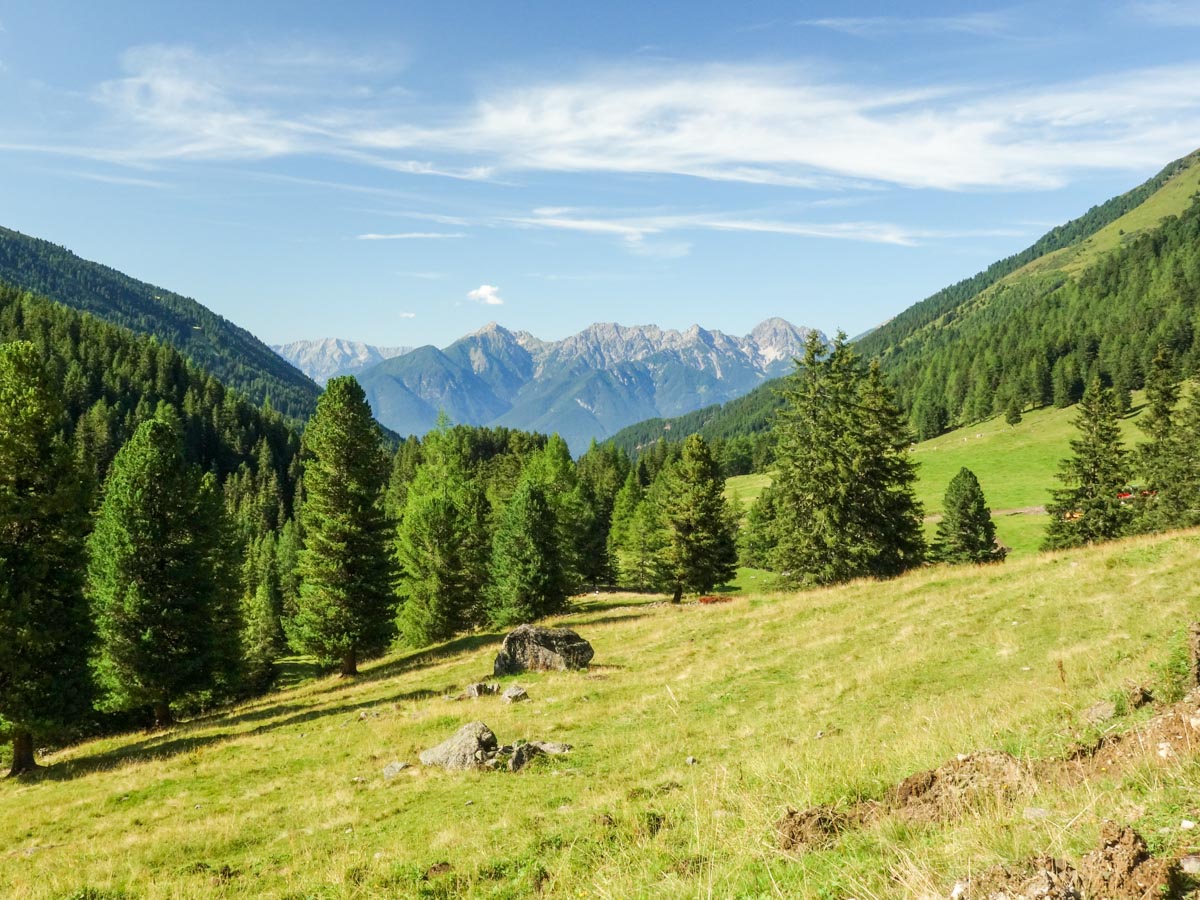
<point>349,664</point>
<point>23,760</point>
<point>678,598</point>
<point>162,715</point>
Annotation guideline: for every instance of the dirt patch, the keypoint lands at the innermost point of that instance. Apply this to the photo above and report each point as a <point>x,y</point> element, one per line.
<point>1120,869</point>
<point>1172,734</point>
<point>712,598</point>
<point>1123,868</point>
<point>949,790</point>
<point>811,829</point>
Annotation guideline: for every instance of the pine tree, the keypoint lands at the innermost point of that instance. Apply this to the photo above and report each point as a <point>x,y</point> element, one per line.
<point>845,505</point>
<point>262,613</point>
<point>529,580</point>
<point>158,577</point>
<point>1088,509</point>
<point>1177,502</point>
<point>966,533</point>
<point>700,547</point>
<point>757,540</point>
<point>1012,413</point>
<point>45,630</point>
<point>345,608</point>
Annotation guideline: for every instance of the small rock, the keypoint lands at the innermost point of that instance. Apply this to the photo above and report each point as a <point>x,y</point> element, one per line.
<point>1100,712</point>
<point>1190,865</point>
<point>522,755</point>
<point>691,760</point>
<point>1187,824</point>
<point>480,689</point>
<point>1035,813</point>
<point>392,769</point>
<point>554,749</point>
<point>1164,750</point>
<point>469,748</point>
<point>515,694</point>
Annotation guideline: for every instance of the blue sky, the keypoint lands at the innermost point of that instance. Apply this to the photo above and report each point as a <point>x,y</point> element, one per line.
<point>404,173</point>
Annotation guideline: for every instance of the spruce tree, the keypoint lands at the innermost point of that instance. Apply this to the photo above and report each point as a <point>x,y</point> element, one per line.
<point>262,612</point>
<point>529,580</point>
<point>1088,509</point>
<point>844,499</point>
<point>345,609</point>
<point>966,533</point>
<point>700,547</point>
<point>442,546</point>
<point>158,578</point>
<point>45,630</point>
<point>1155,458</point>
<point>1177,501</point>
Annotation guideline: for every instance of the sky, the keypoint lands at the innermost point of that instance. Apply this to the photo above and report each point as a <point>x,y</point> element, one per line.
<point>404,173</point>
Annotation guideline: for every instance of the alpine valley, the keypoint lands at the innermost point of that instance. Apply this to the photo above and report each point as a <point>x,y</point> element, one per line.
<point>583,387</point>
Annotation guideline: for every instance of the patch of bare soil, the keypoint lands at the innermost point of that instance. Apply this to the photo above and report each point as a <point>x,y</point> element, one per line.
<point>1120,869</point>
<point>1172,734</point>
<point>949,790</point>
<point>812,829</point>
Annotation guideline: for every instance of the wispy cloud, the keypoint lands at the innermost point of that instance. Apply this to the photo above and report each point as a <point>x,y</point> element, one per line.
<point>412,236</point>
<point>633,230</point>
<point>1169,13</point>
<point>980,23</point>
<point>487,294</point>
<point>791,126</point>
<point>122,180</point>
<point>407,315</point>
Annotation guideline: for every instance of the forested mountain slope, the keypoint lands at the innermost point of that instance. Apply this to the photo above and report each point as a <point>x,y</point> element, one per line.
<point>232,354</point>
<point>1096,296</point>
<point>113,380</point>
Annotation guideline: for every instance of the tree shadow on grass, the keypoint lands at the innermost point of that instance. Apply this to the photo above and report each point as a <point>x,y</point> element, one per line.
<point>604,620</point>
<point>417,659</point>
<point>179,740</point>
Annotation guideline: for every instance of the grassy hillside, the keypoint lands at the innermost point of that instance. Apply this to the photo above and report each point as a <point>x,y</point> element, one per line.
<point>1017,467</point>
<point>826,697</point>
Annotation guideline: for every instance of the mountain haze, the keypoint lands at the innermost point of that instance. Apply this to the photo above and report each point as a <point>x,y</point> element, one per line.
<point>585,386</point>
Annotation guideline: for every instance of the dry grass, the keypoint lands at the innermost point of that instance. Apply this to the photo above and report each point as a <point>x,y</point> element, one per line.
<point>828,696</point>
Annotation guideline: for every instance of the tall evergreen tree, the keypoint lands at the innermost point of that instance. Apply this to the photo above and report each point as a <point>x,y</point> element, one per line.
<point>158,578</point>
<point>45,631</point>
<point>1155,457</point>
<point>262,613</point>
<point>345,608</point>
<point>442,545</point>
<point>529,580</point>
<point>844,495</point>
<point>1177,501</point>
<point>1087,509</point>
<point>966,533</point>
<point>700,547</point>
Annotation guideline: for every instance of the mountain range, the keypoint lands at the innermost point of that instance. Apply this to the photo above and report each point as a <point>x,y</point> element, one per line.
<point>327,358</point>
<point>586,386</point>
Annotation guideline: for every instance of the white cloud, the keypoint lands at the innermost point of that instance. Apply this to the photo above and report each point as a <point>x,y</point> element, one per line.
<point>408,315</point>
<point>487,294</point>
<point>790,126</point>
<point>412,236</point>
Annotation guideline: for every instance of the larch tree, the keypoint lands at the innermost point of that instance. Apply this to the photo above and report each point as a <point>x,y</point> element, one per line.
<point>345,607</point>
<point>1088,508</point>
<point>966,533</point>
<point>159,579</point>
<point>45,630</point>
<point>844,501</point>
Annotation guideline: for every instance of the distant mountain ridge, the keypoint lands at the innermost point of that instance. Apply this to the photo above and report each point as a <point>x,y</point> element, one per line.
<point>586,386</point>
<point>327,358</point>
<point>232,354</point>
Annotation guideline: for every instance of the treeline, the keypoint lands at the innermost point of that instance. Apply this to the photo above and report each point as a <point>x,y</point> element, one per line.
<point>231,354</point>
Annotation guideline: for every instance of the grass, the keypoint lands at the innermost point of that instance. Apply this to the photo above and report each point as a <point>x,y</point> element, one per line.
<point>783,699</point>
<point>1017,467</point>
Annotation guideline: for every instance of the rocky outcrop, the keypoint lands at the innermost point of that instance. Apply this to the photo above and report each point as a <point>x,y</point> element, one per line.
<point>532,648</point>
<point>471,747</point>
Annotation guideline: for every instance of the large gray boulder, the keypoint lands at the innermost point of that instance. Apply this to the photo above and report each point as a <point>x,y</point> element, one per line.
<point>533,648</point>
<point>472,747</point>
